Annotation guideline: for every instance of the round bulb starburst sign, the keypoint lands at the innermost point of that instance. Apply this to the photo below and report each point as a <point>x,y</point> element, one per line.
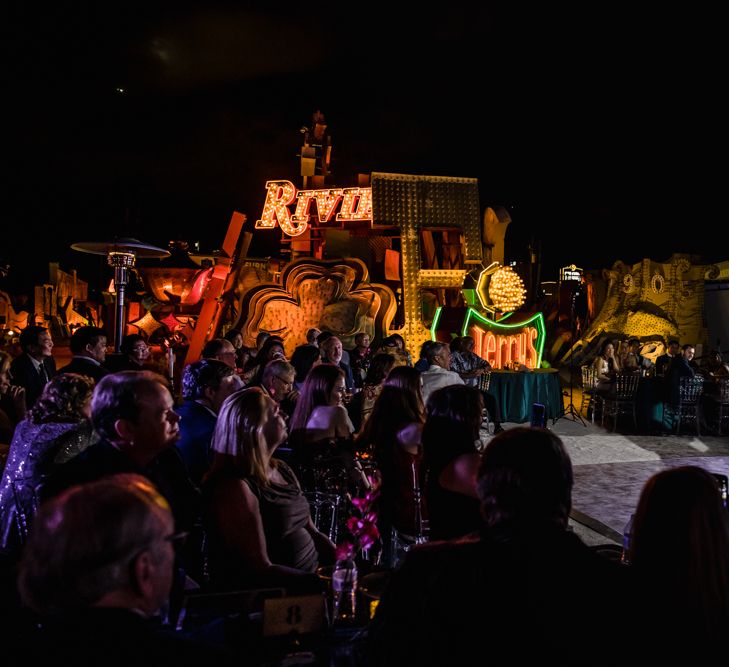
<point>506,289</point>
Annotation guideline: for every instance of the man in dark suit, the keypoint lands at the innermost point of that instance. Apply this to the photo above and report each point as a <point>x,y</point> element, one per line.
<point>111,544</point>
<point>88,345</point>
<point>35,366</point>
<point>205,385</point>
<point>681,366</point>
<point>664,361</point>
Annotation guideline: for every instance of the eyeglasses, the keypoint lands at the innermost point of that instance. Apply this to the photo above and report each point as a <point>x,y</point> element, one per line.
<point>285,382</point>
<point>177,539</point>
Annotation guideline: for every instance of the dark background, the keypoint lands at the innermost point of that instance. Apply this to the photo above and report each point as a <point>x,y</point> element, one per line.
<point>601,129</point>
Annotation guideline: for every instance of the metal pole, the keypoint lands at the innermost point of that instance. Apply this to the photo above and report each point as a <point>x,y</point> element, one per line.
<point>121,261</point>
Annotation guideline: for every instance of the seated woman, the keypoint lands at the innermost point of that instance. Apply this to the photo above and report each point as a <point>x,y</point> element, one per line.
<point>679,554</point>
<point>606,365</point>
<point>451,430</point>
<point>56,429</point>
<point>321,431</point>
<point>360,407</point>
<point>12,401</point>
<point>272,348</point>
<point>304,358</point>
<point>135,354</point>
<point>258,520</point>
<point>393,434</point>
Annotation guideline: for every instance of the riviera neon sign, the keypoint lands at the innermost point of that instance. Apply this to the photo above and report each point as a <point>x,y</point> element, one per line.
<point>501,344</point>
<point>355,204</point>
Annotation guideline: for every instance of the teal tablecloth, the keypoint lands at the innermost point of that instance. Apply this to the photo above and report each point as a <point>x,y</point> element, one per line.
<point>516,392</point>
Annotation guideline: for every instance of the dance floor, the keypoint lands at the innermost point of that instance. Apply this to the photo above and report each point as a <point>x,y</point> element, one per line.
<point>611,469</point>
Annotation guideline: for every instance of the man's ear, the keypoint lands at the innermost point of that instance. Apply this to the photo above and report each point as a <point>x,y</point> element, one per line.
<point>124,429</point>
<point>143,575</point>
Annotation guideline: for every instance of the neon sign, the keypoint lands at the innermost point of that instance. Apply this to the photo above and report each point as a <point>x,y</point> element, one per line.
<point>502,344</point>
<point>355,204</point>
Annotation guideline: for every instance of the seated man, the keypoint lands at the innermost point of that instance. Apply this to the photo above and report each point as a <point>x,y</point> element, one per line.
<point>205,385</point>
<point>97,567</point>
<point>664,361</point>
<point>525,590</point>
<point>88,345</point>
<point>35,366</point>
<point>133,413</point>
<point>278,383</point>
<point>471,367</point>
<point>681,366</point>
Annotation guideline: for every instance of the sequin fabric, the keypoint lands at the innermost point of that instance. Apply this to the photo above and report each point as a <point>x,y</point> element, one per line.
<point>35,451</point>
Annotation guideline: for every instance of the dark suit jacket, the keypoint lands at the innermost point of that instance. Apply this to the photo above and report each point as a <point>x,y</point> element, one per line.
<point>114,636</point>
<point>197,424</point>
<point>83,367</point>
<point>25,375</point>
<point>167,472</point>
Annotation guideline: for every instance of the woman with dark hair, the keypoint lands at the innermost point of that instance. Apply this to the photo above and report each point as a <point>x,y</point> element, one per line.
<point>242,353</point>
<point>362,402</point>
<point>393,436</point>
<point>134,355</point>
<point>12,401</point>
<point>679,553</point>
<point>272,348</point>
<point>452,428</point>
<point>304,358</point>
<point>321,431</point>
<point>56,429</point>
<point>259,523</point>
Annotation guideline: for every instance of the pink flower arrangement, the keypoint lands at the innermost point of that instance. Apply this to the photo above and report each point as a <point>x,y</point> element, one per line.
<point>362,525</point>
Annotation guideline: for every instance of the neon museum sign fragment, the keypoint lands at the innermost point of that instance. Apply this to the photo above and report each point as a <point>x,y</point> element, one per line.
<point>355,204</point>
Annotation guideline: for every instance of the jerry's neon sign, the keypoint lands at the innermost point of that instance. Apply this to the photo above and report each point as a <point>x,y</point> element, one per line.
<point>355,204</point>
<point>502,344</point>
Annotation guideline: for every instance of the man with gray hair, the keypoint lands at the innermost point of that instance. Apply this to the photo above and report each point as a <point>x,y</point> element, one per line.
<point>205,386</point>
<point>278,382</point>
<point>98,566</point>
<point>133,413</point>
<point>438,374</point>
<point>220,349</point>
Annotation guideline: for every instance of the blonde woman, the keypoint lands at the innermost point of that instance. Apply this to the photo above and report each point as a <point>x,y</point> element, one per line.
<point>258,519</point>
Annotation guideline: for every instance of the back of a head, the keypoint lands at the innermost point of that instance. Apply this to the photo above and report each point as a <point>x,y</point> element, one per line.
<point>380,366</point>
<point>64,399</point>
<point>202,374</point>
<point>525,481</point>
<point>680,550</point>
<point>213,348</point>
<point>680,520</point>
<point>303,358</point>
<point>83,541</point>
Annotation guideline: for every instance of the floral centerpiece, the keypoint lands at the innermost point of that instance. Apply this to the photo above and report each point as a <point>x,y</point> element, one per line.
<point>362,525</point>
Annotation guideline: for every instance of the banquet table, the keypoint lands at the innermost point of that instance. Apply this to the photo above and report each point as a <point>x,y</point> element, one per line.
<point>517,391</point>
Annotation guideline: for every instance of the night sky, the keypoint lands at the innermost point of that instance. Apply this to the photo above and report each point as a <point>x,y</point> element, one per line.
<point>603,133</point>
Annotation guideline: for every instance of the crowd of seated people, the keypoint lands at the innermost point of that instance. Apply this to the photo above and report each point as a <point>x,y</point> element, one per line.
<point>483,512</point>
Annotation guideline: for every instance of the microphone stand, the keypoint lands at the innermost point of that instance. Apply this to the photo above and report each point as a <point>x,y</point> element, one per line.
<point>571,412</point>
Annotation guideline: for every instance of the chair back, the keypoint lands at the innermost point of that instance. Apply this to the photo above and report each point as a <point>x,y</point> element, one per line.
<point>589,377</point>
<point>723,389</point>
<point>626,386</point>
<point>689,389</point>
